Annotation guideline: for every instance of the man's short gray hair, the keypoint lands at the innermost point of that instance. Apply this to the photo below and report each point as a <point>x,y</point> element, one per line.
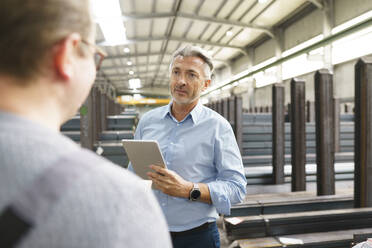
<point>194,51</point>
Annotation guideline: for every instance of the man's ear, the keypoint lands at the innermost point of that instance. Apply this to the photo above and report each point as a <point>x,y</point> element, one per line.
<point>64,54</point>
<point>206,84</point>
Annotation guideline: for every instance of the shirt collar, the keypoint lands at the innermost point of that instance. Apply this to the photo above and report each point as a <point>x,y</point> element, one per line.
<point>195,113</point>
<point>167,110</point>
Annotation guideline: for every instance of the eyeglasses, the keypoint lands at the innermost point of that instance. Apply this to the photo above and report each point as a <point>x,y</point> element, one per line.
<point>99,54</point>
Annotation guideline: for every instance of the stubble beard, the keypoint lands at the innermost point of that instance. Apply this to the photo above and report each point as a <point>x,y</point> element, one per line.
<point>185,100</point>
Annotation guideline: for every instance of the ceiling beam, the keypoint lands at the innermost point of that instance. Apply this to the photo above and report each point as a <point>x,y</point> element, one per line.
<point>227,22</point>
<point>142,78</point>
<point>180,39</point>
<point>194,17</point>
<point>127,74</point>
<point>126,79</point>
<point>130,66</point>
<point>132,55</point>
<point>317,3</point>
<point>164,45</point>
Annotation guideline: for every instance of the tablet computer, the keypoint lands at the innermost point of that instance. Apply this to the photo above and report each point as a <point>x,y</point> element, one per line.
<point>143,153</point>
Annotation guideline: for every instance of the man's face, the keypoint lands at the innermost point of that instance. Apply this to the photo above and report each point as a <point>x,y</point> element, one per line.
<point>187,79</point>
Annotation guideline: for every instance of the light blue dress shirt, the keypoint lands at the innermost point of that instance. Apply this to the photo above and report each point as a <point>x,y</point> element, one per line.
<point>201,149</point>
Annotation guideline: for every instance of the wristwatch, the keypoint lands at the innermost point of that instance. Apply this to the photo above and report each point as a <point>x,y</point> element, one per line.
<point>195,193</point>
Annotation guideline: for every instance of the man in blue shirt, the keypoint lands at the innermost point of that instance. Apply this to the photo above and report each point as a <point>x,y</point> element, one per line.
<point>204,174</point>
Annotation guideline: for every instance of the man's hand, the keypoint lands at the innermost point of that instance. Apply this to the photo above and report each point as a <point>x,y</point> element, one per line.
<point>169,182</point>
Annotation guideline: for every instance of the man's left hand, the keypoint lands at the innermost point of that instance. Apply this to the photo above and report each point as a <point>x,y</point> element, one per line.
<point>169,182</point>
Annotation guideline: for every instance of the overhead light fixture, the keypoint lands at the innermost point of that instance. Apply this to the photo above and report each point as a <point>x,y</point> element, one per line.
<point>134,83</point>
<point>352,22</point>
<point>353,46</point>
<point>126,50</point>
<point>262,1</point>
<point>229,33</point>
<point>131,72</point>
<point>108,15</point>
<point>129,63</point>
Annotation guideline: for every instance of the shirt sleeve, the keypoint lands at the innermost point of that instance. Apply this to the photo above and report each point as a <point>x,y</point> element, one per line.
<point>230,185</point>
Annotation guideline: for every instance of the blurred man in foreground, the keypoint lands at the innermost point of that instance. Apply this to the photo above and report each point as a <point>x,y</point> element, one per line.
<point>52,192</point>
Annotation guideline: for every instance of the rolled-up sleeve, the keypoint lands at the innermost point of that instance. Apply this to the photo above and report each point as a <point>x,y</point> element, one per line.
<point>230,185</point>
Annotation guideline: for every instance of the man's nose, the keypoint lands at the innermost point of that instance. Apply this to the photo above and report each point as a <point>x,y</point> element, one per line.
<point>181,81</point>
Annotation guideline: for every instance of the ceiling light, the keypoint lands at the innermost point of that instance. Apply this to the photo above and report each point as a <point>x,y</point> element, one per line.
<point>126,50</point>
<point>262,1</point>
<point>352,22</point>
<point>134,83</point>
<point>129,63</point>
<point>108,15</point>
<point>131,72</point>
<point>229,33</point>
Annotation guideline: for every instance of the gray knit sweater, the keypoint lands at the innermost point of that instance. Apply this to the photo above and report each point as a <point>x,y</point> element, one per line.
<point>107,207</point>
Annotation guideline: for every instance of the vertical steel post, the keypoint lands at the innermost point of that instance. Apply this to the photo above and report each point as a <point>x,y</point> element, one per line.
<point>324,121</point>
<point>225,108</point>
<point>278,134</point>
<point>96,114</point>
<point>104,114</point>
<point>363,133</point>
<point>231,110</point>
<point>218,106</point>
<point>346,108</point>
<point>238,121</point>
<point>310,113</point>
<point>336,122</point>
<point>298,136</point>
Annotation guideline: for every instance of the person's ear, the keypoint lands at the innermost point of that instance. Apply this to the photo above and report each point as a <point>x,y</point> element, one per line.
<point>64,54</point>
<point>206,84</point>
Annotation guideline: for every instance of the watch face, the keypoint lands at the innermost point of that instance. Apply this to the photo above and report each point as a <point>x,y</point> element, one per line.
<point>195,194</point>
